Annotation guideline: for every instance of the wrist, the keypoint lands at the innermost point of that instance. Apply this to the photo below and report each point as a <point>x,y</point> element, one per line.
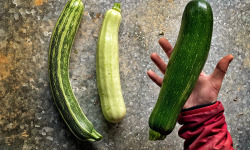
<point>201,110</point>
<point>195,101</point>
<point>198,106</point>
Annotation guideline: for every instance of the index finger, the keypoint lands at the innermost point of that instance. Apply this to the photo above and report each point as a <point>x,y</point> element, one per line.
<point>166,46</point>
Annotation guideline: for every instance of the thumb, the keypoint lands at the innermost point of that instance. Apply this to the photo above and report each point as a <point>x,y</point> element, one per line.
<point>220,70</point>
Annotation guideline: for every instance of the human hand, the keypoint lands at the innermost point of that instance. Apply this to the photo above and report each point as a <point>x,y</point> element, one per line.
<point>207,87</point>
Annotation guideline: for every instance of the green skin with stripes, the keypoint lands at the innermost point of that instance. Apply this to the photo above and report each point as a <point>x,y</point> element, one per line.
<point>107,67</point>
<point>185,65</point>
<point>59,54</point>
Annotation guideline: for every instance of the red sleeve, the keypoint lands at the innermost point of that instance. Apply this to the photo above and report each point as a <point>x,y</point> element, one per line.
<point>205,129</point>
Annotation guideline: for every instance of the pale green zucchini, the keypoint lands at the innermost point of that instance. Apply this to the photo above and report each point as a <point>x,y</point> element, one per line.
<point>107,67</point>
<point>59,54</point>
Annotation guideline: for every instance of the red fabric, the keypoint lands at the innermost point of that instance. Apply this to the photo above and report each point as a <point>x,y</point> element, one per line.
<point>205,129</point>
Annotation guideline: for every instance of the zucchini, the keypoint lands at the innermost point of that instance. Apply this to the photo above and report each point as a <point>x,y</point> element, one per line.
<point>59,53</point>
<point>184,67</point>
<point>107,67</point>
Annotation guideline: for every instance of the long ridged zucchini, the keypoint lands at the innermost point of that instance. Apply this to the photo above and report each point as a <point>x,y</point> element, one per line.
<point>107,67</point>
<point>184,67</point>
<point>59,54</point>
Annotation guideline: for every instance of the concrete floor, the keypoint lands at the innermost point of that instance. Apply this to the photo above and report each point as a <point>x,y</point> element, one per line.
<point>28,116</point>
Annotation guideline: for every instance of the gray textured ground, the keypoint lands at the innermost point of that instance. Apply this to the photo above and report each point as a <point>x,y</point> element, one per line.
<point>28,116</point>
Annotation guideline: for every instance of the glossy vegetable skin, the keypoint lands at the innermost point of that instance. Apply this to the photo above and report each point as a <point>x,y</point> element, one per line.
<point>59,54</point>
<point>185,65</point>
<point>107,67</point>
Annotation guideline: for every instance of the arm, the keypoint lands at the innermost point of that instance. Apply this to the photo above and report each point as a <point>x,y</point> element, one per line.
<point>204,125</point>
<point>205,128</point>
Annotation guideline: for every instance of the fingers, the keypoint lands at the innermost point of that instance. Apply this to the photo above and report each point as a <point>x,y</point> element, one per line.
<point>220,71</point>
<point>155,78</point>
<point>166,46</point>
<point>159,62</point>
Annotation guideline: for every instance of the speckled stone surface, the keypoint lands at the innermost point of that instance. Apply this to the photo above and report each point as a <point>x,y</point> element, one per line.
<point>28,116</point>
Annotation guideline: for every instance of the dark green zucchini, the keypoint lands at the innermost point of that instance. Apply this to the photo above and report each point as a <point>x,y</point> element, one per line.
<point>59,54</point>
<point>184,67</point>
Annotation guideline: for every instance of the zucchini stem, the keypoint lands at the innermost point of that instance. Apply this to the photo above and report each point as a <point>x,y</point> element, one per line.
<point>154,135</point>
<point>117,7</point>
<point>96,136</point>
